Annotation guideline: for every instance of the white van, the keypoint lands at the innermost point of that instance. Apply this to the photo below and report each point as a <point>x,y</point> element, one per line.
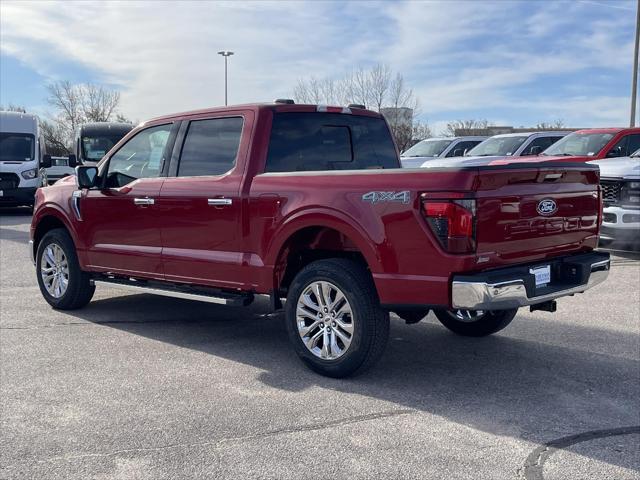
<point>22,152</point>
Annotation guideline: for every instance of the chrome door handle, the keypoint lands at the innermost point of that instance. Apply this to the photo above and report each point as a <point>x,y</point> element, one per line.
<point>218,202</point>
<point>144,201</point>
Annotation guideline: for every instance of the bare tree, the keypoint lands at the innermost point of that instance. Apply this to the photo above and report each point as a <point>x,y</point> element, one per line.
<point>54,138</point>
<point>554,125</point>
<point>76,104</point>
<point>13,108</point>
<point>98,103</point>
<point>379,84</point>
<point>466,127</point>
<point>65,97</point>
<point>377,88</point>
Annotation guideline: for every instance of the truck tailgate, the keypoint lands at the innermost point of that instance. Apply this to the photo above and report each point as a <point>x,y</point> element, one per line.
<point>536,211</point>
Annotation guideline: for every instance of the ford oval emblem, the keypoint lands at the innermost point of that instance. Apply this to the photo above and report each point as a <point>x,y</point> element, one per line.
<point>547,206</point>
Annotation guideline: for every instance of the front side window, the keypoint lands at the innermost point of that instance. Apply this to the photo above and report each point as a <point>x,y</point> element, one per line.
<point>327,141</point>
<point>498,146</point>
<point>620,148</point>
<point>141,157</point>
<point>579,144</point>
<point>210,147</point>
<point>634,143</point>
<point>16,147</point>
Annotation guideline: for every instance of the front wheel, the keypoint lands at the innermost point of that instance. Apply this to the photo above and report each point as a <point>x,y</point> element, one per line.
<point>334,318</point>
<point>475,323</point>
<point>62,284</point>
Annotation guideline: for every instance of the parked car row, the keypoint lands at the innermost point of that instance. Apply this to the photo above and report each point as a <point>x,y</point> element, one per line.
<point>612,149</point>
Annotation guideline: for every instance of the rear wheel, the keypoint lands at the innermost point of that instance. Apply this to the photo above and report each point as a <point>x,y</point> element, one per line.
<point>334,318</point>
<point>475,323</point>
<point>62,284</point>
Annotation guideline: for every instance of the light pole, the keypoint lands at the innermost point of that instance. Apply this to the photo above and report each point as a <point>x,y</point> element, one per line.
<point>226,54</point>
<point>634,87</point>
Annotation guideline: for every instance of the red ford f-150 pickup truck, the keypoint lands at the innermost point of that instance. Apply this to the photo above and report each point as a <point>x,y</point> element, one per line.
<point>309,203</point>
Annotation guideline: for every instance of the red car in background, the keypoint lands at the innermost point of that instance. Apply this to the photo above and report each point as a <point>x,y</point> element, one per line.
<point>586,145</point>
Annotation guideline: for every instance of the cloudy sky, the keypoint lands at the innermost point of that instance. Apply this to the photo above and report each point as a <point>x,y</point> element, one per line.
<point>511,62</point>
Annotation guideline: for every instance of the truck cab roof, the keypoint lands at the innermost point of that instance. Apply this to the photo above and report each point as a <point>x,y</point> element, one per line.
<point>275,107</point>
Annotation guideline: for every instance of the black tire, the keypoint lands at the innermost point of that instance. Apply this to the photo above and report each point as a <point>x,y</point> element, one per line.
<point>488,323</point>
<point>79,288</point>
<point>370,322</point>
<point>412,316</point>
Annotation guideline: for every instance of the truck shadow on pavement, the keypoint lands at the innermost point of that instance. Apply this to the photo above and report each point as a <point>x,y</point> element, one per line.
<point>522,383</point>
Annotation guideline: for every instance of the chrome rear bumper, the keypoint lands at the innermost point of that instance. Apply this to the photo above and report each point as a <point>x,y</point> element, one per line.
<point>510,293</point>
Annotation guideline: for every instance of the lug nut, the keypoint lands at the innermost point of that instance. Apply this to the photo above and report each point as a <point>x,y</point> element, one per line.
<point>326,310</point>
<point>333,324</point>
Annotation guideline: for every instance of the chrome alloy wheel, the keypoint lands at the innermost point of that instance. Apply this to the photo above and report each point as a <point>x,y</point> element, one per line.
<point>467,316</point>
<point>325,320</point>
<point>54,270</point>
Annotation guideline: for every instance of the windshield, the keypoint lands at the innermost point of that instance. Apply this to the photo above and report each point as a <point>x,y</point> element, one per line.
<point>499,146</point>
<point>95,147</point>
<point>579,144</point>
<point>16,147</point>
<point>427,148</point>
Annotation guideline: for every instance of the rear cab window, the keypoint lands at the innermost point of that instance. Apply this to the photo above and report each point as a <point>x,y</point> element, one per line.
<point>317,141</point>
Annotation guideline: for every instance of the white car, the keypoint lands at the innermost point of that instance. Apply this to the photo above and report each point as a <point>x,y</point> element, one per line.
<point>438,147</point>
<point>60,168</point>
<point>620,182</point>
<point>500,146</point>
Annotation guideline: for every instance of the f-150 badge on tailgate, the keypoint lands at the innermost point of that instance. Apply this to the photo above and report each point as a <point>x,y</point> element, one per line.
<point>376,197</point>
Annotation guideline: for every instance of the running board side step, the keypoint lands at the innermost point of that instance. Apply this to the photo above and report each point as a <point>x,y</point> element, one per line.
<point>204,294</point>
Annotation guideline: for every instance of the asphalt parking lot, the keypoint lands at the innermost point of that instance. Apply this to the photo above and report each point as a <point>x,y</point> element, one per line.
<point>144,387</point>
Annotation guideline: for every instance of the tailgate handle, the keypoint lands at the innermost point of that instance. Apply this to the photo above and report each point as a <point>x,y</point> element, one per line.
<point>552,177</point>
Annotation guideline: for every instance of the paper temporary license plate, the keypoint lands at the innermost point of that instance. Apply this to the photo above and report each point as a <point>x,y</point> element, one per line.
<point>542,274</point>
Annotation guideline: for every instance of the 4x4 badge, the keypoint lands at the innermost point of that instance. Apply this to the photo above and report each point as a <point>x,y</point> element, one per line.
<point>375,197</point>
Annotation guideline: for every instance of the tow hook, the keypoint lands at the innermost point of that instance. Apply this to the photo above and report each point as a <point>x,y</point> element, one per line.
<point>549,306</point>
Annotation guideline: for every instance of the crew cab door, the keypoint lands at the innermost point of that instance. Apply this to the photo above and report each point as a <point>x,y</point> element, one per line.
<point>120,221</point>
<point>200,203</point>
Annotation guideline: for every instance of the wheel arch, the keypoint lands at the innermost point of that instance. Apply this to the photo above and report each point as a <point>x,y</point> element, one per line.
<point>47,220</point>
<point>314,235</point>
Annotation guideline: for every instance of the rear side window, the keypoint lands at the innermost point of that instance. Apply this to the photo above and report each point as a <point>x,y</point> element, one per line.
<point>210,147</point>
<point>328,141</point>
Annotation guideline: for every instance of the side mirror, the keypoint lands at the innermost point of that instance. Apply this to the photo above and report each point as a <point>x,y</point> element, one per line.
<point>72,162</point>
<point>86,176</point>
<point>536,150</point>
<point>458,152</point>
<point>46,161</point>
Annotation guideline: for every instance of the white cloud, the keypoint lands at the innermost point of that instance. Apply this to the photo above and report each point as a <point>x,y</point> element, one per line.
<point>458,56</point>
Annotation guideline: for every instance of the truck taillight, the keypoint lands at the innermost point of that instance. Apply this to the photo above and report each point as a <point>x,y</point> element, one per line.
<point>453,222</point>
